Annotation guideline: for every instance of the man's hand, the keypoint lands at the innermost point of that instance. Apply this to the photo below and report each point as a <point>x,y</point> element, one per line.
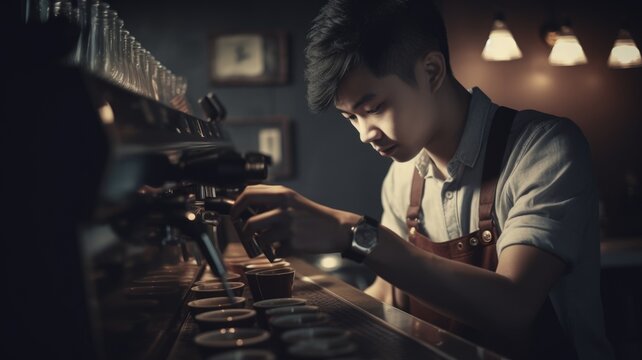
<point>293,220</point>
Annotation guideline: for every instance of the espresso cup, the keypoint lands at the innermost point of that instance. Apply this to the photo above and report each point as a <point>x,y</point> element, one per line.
<point>262,306</point>
<point>266,266</point>
<point>270,283</point>
<point>230,338</point>
<point>275,283</point>
<point>225,318</point>
<point>287,310</point>
<point>252,283</point>
<point>259,264</point>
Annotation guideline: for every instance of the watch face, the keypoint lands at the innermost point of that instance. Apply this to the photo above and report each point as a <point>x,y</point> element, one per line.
<point>367,238</point>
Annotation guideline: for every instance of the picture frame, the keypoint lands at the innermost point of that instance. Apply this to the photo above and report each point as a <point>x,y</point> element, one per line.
<point>248,58</point>
<point>268,135</point>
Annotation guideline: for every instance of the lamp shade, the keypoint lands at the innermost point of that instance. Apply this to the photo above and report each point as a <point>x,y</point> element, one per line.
<point>501,45</point>
<point>567,50</point>
<point>625,54</point>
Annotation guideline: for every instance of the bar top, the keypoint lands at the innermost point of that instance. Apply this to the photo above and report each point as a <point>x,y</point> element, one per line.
<point>379,330</point>
<point>442,343</point>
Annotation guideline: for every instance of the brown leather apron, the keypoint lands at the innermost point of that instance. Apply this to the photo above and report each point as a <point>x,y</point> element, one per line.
<point>478,248</point>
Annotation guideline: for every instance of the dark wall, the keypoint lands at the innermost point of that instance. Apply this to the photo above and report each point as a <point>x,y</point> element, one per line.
<point>333,167</point>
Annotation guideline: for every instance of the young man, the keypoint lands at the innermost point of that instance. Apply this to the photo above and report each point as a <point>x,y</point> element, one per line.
<point>490,215</point>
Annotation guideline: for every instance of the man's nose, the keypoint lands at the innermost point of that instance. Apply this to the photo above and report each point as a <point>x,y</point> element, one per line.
<point>368,132</point>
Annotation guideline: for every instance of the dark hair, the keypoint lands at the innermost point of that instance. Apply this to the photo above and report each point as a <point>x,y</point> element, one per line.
<point>387,36</point>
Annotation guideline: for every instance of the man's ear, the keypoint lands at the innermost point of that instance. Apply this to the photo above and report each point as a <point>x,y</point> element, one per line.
<point>433,69</point>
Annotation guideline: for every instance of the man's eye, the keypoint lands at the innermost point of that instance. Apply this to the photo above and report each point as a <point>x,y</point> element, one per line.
<point>352,117</point>
<point>375,110</point>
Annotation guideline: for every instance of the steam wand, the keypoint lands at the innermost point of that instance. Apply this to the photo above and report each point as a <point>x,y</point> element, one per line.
<point>197,230</point>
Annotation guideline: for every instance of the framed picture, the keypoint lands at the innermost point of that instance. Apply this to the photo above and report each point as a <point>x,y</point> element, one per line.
<point>268,135</point>
<point>253,58</point>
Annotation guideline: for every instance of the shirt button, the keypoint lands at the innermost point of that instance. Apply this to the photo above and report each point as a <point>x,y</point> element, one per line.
<point>449,195</point>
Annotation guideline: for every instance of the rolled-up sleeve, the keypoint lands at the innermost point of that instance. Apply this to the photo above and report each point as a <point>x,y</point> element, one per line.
<point>551,191</point>
<point>390,203</point>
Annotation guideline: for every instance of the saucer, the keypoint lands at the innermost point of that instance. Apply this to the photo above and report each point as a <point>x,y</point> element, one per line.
<point>226,318</point>
<point>287,310</point>
<point>215,303</point>
<point>231,338</point>
<point>230,276</point>
<point>217,289</point>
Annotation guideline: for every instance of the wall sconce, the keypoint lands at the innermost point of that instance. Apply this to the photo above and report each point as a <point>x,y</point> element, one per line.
<point>624,54</point>
<point>567,50</point>
<point>548,32</point>
<point>501,46</point>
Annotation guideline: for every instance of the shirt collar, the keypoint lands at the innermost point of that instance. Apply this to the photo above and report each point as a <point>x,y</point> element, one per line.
<point>471,140</point>
<point>424,164</point>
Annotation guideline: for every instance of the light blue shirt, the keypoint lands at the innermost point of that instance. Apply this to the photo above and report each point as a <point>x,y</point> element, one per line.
<point>546,197</point>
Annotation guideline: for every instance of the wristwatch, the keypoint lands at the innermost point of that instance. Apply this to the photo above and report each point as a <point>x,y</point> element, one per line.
<point>364,239</point>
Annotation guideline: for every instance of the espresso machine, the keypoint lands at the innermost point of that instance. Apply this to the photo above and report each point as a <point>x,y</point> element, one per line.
<point>167,185</point>
<point>118,201</point>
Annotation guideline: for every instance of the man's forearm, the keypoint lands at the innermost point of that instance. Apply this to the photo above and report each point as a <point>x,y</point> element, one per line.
<point>472,295</point>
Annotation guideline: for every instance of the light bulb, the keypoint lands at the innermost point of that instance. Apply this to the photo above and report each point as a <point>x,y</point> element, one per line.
<point>567,50</point>
<point>625,54</point>
<point>501,46</point>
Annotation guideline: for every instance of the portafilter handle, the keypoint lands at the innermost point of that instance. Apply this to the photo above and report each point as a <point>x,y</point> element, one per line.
<point>252,247</point>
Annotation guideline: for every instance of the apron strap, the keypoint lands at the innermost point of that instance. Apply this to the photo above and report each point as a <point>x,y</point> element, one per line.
<point>416,194</point>
<point>493,160</point>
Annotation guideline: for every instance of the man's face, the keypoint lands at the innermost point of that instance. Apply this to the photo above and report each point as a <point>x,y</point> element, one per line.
<point>397,119</point>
